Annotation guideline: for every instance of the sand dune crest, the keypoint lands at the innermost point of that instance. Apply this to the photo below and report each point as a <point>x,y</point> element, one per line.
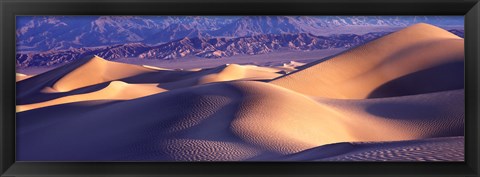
<point>357,73</point>
<point>20,77</point>
<point>238,72</point>
<point>97,70</point>
<point>258,118</point>
<point>116,90</point>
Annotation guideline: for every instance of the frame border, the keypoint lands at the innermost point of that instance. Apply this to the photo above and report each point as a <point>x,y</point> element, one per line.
<point>11,8</point>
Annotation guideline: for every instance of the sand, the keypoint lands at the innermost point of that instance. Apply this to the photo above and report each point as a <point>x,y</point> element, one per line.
<point>256,117</point>
<point>92,74</point>
<point>432,149</point>
<point>116,90</point>
<point>20,77</point>
<point>97,70</point>
<point>402,59</point>
<point>398,98</point>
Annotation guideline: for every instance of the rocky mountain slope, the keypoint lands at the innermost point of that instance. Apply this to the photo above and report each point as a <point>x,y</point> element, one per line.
<point>42,33</point>
<point>205,47</point>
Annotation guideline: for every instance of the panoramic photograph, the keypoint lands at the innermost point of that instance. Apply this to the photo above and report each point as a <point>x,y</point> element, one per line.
<point>240,88</point>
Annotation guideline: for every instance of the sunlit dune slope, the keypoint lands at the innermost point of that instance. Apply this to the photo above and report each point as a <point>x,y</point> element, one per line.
<point>231,72</point>
<point>228,121</point>
<point>85,76</point>
<point>116,90</point>
<point>95,71</point>
<point>224,73</point>
<point>418,59</point>
<point>287,122</point>
<point>20,77</point>
<point>80,73</point>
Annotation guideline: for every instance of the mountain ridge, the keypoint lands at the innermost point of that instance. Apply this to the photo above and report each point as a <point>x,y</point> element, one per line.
<point>43,33</point>
<point>204,47</point>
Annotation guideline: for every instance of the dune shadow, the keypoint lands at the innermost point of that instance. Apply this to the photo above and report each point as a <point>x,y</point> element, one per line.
<point>163,76</point>
<point>36,116</point>
<point>403,111</point>
<point>416,48</point>
<point>315,153</point>
<point>27,95</point>
<point>129,130</point>
<point>448,76</point>
<point>187,78</point>
<point>41,97</point>
<point>32,85</point>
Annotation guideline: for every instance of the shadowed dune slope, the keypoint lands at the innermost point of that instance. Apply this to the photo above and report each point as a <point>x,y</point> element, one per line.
<point>90,75</point>
<point>416,52</point>
<point>224,73</point>
<point>236,120</point>
<point>432,149</point>
<point>95,71</point>
<point>116,90</point>
<point>80,73</point>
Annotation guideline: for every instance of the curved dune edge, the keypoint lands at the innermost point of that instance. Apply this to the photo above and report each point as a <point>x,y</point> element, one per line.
<point>270,119</point>
<point>358,72</point>
<point>96,71</point>
<point>78,74</point>
<point>258,118</point>
<point>432,149</point>
<point>116,90</point>
<point>155,68</point>
<point>239,72</point>
<point>20,77</point>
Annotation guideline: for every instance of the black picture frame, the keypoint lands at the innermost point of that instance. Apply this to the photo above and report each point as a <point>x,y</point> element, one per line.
<point>11,8</point>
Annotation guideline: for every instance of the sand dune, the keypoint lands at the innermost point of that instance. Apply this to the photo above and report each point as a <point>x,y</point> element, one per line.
<point>95,71</point>
<point>397,98</point>
<point>238,72</point>
<point>402,59</point>
<point>80,73</point>
<point>433,149</point>
<point>270,120</point>
<point>20,77</point>
<point>221,73</point>
<point>437,149</point>
<point>289,67</point>
<point>255,118</point>
<point>116,90</point>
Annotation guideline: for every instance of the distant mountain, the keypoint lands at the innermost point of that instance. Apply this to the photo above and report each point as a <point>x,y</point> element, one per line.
<point>43,33</point>
<point>207,47</point>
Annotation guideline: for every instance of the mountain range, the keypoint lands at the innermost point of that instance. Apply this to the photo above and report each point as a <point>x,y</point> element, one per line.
<point>43,33</point>
<point>200,47</point>
<point>204,47</point>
